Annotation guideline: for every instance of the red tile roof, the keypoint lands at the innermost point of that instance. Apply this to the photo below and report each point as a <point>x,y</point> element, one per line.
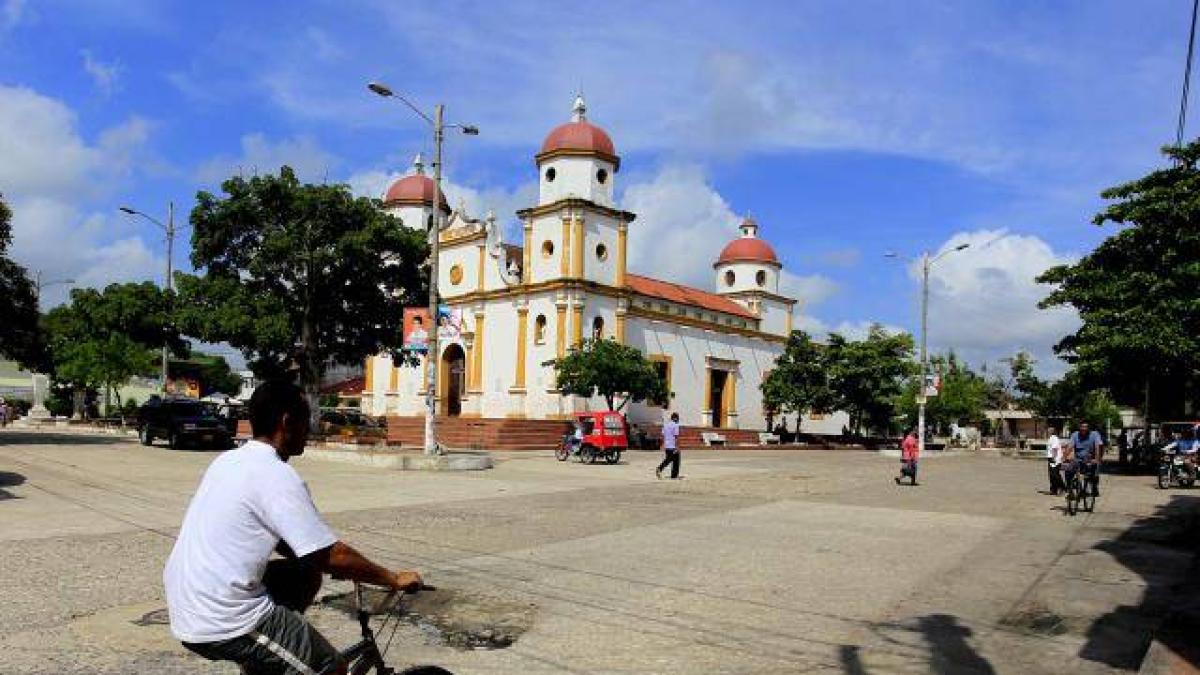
<point>352,386</point>
<point>685,295</point>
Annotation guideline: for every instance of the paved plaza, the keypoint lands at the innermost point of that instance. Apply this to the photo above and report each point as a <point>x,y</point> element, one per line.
<point>760,561</point>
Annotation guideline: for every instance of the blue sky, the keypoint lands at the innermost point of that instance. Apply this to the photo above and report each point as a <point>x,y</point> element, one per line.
<point>846,129</point>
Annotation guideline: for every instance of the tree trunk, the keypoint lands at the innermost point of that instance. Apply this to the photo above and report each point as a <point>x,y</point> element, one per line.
<point>310,377</point>
<point>1146,412</point>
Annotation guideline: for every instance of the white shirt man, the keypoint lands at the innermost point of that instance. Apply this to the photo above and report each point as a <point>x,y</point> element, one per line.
<point>1054,458</point>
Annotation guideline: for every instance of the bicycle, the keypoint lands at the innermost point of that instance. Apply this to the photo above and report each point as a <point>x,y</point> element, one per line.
<point>1079,493</point>
<point>365,656</point>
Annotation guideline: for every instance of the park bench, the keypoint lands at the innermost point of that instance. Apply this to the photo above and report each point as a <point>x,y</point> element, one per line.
<point>767,438</point>
<point>710,439</point>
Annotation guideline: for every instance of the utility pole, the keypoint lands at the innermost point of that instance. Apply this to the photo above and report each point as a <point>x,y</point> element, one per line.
<point>169,229</point>
<point>924,355</point>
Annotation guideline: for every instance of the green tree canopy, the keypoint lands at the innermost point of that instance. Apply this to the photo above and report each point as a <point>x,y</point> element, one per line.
<point>961,399</point>
<point>799,381</point>
<point>299,275</point>
<point>1136,292</point>
<point>867,376</point>
<point>610,369</point>
<point>211,370</point>
<point>102,338</point>
<point>21,337</point>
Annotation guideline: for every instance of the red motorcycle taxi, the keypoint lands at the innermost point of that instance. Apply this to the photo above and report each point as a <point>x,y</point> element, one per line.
<point>601,435</point>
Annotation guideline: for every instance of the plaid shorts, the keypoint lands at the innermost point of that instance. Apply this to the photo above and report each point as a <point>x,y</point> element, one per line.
<point>282,643</point>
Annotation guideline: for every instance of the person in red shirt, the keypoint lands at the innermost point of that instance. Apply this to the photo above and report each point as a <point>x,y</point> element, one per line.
<point>909,451</point>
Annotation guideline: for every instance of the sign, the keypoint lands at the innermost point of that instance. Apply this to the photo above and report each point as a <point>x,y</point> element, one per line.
<point>416,329</point>
<point>933,385</point>
<point>450,323</point>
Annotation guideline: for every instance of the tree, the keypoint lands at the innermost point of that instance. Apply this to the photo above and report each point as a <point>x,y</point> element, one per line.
<point>212,371</point>
<point>610,369</point>
<point>21,337</point>
<point>867,376</point>
<point>799,382</point>
<point>961,399</point>
<point>1136,292</point>
<point>299,276</point>
<point>102,338</point>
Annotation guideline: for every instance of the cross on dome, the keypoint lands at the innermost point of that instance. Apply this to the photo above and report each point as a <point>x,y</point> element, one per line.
<point>749,226</point>
<point>418,165</point>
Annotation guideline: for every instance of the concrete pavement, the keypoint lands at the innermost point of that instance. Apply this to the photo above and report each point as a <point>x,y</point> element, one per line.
<point>760,561</point>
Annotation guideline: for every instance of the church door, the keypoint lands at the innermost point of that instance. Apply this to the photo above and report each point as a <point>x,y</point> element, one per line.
<point>718,379</point>
<point>454,362</point>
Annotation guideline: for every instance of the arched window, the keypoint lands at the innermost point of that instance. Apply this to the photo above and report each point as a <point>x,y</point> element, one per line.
<point>761,278</point>
<point>598,327</point>
<point>730,277</point>
<point>539,329</point>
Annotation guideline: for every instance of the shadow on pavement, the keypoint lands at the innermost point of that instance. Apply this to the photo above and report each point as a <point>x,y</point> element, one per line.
<point>1161,549</point>
<point>52,438</point>
<point>9,479</point>
<point>945,646</point>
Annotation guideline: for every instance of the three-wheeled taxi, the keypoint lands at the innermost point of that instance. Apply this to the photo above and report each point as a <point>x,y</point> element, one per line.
<point>602,436</point>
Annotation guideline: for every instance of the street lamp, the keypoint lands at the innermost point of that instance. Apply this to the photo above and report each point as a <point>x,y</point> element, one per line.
<point>926,263</point>
<point>169,229</point>
<point>431,446</point>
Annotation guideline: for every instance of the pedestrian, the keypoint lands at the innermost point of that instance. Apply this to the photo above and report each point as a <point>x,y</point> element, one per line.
<point>909,454</point>
<point>670,434</point>
<point>1054,457</point>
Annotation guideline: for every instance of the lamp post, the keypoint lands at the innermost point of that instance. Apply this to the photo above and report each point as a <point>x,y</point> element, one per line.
<point>169,229</point>
<point>926,264</point>
<point>431,355</point>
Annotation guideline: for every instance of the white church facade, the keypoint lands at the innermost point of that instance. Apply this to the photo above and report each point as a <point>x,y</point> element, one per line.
<point>523,305</point>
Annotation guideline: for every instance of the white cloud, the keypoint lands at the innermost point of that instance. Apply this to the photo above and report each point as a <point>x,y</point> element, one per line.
<point>983,300</point>
<point>104,75</point>
<point>260,155</point>
<point>50,174</point>
<point>11,12</point>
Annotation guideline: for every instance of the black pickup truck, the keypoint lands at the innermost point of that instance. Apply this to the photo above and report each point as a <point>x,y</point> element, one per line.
<point>183,421</point>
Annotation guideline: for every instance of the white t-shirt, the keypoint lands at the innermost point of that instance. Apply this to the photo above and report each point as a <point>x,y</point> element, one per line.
<point>1054,449</point>
<point>248,500</point>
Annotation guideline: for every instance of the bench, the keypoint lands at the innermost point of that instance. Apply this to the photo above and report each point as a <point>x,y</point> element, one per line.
<point>710,439</point>
<point>766,438</point>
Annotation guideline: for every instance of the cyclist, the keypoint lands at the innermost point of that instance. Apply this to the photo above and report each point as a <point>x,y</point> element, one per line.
<point>1086,450</point>
<point>227,601</point>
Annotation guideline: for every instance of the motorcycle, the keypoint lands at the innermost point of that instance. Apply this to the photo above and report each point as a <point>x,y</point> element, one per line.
<point>1174,468</point>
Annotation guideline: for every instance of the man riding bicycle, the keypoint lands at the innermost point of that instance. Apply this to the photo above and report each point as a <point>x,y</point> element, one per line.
<point>1085,450</point>
<point>228,601</point>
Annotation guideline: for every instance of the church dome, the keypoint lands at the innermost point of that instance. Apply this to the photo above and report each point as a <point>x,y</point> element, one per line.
<point>748,248</point>
<point>415,189</point>
<point>579,137</point>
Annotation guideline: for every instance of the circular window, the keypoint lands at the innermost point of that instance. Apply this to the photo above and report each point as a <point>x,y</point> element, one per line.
<point>456,275</point>
<point>761,278</point>
<point>602,251</point>
<point>550,174</point>
<point>729,278</point>
<point>547,248</point>
<point>602,176</point>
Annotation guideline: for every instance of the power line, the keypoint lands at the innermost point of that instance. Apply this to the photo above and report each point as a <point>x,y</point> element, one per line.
<point>1187,78</point>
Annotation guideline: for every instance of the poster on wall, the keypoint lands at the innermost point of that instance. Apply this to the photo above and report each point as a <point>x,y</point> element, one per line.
<point>449,323</point>
<point>416,329</point>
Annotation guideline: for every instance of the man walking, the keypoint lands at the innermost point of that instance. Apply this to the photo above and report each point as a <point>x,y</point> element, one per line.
<point>227,600</point>
<point>670,433</point>
<point>1054,457</point>
<point>910,450</point>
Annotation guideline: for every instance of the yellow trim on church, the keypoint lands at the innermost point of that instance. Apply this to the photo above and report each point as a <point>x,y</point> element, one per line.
<point>577,249</point>
<point>522,339</point>
<point>476,386</point>
<point>560,332</point>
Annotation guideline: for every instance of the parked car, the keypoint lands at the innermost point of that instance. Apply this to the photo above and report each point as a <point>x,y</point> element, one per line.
<point>182,421</point>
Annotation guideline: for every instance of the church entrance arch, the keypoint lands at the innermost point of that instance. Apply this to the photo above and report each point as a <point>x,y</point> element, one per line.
<point>720,394</point>
<point>452,379</point>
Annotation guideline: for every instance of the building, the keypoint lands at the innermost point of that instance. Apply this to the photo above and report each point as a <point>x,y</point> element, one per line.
<point>516,307</point>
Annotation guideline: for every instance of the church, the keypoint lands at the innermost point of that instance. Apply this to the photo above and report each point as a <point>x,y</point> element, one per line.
<point>513,308</point>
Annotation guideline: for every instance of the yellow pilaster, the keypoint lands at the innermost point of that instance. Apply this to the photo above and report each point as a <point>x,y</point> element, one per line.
<point>370,380</point>
<point>522,339</point>
<point>527,253</point>
<point>565,254</point>
<point>577,325</point>
<point>620,332</point>
<point>480,285</point>
<point>788,325</point>
<point>394,380</point>
<point>560,332</point>
<point>622,241</point>
<point>476,386</point>
<point>577,249</point>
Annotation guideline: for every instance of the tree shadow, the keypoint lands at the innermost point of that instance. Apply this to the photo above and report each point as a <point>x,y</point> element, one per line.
<point>1162,550</point>
<point>943,640</point>
<point>9,479</point>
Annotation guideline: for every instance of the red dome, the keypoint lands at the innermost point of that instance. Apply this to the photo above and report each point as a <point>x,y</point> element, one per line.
<point>579,137</point>
<point>411,190</point>
<point>748,249</point>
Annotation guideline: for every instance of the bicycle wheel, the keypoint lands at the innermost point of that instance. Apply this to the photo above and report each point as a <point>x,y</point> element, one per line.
<point>1073,497</point>
<point>1088,498</point>
<point>424,670</point>
<point>562,452</point>
<point>1164,475</point>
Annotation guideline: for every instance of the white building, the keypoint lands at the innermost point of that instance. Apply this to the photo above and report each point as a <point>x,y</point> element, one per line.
<point>525,305</point>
